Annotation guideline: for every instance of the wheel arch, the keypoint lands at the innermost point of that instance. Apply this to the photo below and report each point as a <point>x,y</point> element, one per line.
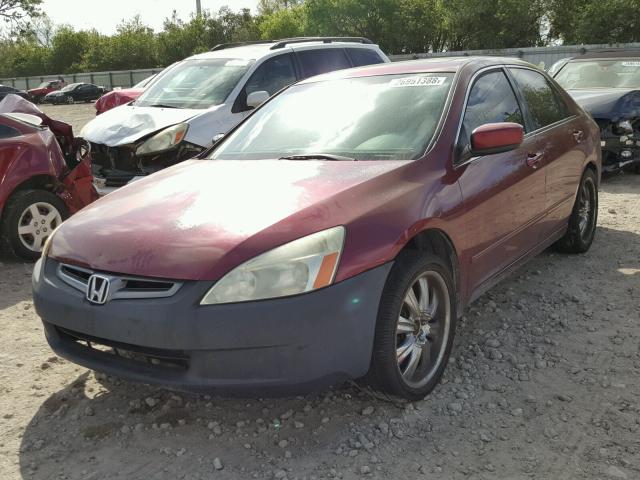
<point>35,182</point>
<point>437,241</point>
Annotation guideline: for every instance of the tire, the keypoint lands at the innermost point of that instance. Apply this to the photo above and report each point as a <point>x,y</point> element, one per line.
<point>583,219</point>
<point>18,211</point>
<point>69,100</point>
<point>431,335</point>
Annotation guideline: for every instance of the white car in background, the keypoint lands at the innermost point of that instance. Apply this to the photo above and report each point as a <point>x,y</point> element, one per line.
<point>200,98</point>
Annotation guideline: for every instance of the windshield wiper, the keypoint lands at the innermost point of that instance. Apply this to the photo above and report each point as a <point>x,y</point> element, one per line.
<point>319,156</point>
<point>160,105</point>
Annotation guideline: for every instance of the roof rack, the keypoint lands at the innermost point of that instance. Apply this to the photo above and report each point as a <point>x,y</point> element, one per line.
<point>283,43</point>
<point>222,46</point>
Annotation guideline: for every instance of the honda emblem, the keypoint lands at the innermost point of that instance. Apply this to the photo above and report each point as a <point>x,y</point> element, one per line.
<point>98,289</point>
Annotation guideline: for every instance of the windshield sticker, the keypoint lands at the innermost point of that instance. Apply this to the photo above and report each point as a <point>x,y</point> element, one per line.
<point>631,64</point>
<point>417,81</point>
<point>237,62</point>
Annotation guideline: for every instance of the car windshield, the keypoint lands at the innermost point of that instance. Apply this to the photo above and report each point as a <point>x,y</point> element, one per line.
<point>389,117</point>
<point>600,74</point>
<point>144,83</point>
<point>44,85</point>
<point>70,87</point>
<point>198,83</point>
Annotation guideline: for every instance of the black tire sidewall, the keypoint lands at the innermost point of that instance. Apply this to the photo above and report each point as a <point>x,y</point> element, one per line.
<point>18,202</point>
<point>582,244</point>
<point>384,373</point>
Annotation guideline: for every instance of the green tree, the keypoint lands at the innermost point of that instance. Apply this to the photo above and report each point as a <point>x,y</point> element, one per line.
<point>13,11</point>
<point>284,23</point>
<point>67,49</point>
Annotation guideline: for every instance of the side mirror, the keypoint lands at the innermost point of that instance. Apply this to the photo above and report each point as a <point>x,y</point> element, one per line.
<point>496,138</point>
<point>255,99</point>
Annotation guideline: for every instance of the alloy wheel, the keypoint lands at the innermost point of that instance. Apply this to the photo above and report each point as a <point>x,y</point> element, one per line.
<point>36,223</point>
<point>422,330</point>
<point>585,207</point>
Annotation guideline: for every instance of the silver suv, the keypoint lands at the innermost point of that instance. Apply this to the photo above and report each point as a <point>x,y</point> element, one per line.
<point>194,101</point>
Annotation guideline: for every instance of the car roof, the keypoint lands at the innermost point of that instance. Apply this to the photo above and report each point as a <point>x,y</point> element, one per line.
<point>439,64</point>
<point>608,54</point>
<point>256,50</point>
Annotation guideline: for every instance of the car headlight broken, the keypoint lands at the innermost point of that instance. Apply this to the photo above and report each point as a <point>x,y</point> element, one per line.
<point>303,265</point>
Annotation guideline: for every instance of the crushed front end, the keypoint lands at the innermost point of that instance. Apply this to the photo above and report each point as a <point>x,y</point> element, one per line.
<point>620,141</point>
<point>114,167</point>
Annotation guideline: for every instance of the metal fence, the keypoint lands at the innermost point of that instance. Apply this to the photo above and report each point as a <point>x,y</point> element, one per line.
<point>120,78</point>
<point>542,56</point>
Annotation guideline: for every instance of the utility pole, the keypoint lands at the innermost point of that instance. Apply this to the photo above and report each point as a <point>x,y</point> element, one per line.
<point>198,8</point>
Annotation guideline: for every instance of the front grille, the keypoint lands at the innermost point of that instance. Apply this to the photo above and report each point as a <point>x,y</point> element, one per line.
<point>121,286</point>
<point>157,357</point>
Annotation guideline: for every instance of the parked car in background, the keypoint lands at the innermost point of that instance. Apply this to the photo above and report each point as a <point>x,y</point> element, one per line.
<point>607,85</point>
<point>36,95</point>
<point>75,92</point>
<point>6,90</point>
<point>338,232</point>
<point>121,96</point>
<point>200,98</point>
<point>45,176</point>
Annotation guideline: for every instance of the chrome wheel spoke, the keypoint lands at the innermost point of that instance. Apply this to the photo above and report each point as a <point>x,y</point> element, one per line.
<point>412,303</point>
<point>404,350</point>
<point>26,229</point>
<point>405,325</point>
<point>423,288</point>
<point>414,360</point>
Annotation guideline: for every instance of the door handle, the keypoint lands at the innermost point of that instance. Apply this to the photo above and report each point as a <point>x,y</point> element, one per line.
<point>578,135</point>
<point>533,159</point>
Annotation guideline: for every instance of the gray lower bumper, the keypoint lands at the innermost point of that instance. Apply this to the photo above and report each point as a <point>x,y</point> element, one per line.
<point>293,343</point>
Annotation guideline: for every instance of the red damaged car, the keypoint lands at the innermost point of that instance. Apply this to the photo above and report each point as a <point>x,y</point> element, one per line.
<point>45,175</point>
<point>37,94</point>
<point>338,232</point>
<point>115,98</point>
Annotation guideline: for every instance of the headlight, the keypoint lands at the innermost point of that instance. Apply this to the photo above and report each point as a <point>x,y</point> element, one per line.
<point>38,268</point>
<point>300,266</point>
<point>625,126</point>
<point>165,140</point>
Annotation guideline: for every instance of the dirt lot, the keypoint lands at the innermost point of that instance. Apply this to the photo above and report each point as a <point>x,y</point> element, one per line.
<point>543,385</point>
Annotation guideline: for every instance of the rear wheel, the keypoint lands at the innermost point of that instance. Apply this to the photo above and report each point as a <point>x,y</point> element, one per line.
<point>30,216</point>
<point>583,219</point>
<point>415,327</point>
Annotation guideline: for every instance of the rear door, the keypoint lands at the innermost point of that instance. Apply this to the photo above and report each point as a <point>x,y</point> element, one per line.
<point>558,135</point>
<point>504,195</point>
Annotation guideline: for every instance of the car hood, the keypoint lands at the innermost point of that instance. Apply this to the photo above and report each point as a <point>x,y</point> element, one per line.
<point>199,219</point>
<point>608,103</point>
<point>128,124</point>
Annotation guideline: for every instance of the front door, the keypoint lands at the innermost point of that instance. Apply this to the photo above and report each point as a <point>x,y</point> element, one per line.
<point>503,194</point>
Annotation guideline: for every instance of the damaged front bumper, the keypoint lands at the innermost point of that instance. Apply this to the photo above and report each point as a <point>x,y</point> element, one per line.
<point>115,167</point>
<point>620,148</point>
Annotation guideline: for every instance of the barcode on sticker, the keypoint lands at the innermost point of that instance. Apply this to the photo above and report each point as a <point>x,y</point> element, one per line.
<point>631,64</point>
<point>417,81</point>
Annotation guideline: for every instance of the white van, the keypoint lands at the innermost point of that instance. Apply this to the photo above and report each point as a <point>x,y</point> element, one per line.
<point>196,100</point>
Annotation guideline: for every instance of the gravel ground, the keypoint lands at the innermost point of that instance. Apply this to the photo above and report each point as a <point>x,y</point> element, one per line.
<point>543,384</point>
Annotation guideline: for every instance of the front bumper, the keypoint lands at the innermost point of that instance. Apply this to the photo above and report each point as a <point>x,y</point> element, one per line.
<point>288,344</point>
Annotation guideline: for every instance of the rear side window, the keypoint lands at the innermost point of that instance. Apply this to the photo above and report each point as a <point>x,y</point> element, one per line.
<point>364,56</point>
<point>491,100</point>
<point>545,105</point>
<point>316,62</point>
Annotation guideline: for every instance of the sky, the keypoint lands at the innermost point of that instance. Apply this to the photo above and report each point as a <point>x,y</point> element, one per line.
<point>104,15</point>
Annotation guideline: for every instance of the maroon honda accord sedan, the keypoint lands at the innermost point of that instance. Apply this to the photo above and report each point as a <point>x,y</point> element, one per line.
<point>337,233</point>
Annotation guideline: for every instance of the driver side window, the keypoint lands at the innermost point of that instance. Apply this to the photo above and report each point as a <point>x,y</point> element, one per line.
<point>273,75</point>
<point>491,100</point>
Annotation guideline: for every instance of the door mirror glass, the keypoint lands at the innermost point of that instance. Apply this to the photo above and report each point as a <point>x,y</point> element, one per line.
<point>496,138</point>
<point>255,99</point>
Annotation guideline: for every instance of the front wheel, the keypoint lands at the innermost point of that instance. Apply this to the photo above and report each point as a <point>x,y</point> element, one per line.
<point>29,217</point>
<point>415,327</point>
<point>69,100</point>
<point>583,219</point>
